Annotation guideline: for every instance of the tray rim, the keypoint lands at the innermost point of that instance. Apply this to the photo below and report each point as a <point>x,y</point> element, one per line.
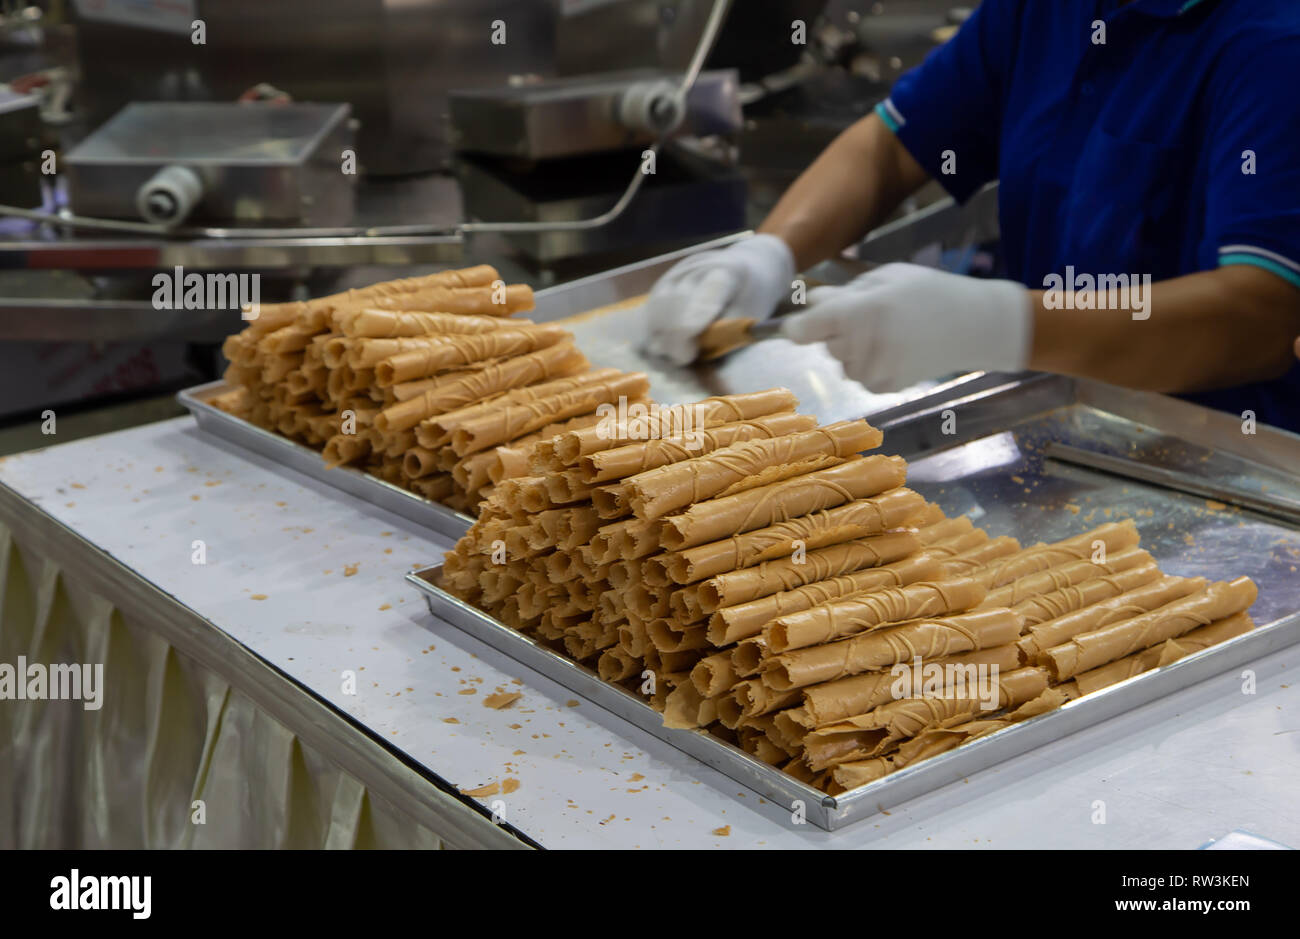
<point>582,680</point>
<point>301,459</point>
<point>835,812</point>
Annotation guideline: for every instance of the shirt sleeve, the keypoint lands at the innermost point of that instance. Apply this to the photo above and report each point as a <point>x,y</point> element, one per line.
<point>1253,185</point>
<point>947,111</point>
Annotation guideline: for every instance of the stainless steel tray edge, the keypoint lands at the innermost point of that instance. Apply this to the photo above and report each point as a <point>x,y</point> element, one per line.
<point>835,812</point>
<point>730,761</point>
<point>439,518</point>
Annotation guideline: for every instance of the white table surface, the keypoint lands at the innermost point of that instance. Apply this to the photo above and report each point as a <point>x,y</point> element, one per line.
<point>1173,774</point>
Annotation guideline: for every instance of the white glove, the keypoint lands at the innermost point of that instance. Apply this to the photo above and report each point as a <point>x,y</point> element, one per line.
<point>902,323</point>
<point>748,278</point>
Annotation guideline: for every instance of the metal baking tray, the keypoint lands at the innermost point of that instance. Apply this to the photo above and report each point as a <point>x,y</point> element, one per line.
<point>834,812</point>
<point>282,450</point>
<point>983,448</point>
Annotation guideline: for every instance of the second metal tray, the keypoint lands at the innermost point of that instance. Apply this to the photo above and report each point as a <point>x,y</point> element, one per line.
<point>834,812</point>
<point>282,450</point>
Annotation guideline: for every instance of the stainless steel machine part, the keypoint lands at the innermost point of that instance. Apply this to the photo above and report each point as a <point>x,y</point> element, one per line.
<point>242,163</point>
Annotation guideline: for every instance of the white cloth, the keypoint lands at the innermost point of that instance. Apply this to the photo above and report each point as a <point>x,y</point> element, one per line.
<point>903,323</point>
<point>169,733</point>
<point>746,279</point>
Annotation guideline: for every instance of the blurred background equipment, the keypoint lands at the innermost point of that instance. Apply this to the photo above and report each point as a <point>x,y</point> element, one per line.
<point>322,144</point>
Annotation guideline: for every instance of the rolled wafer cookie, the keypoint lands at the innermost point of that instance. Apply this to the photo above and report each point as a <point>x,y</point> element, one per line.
<point>714,674</point>
<point>658,492</point>
<point>1066,575</point>
<point>859,613</point>
<point>448,352</point>
<point>840,699</point>
<point>437,431</point>
<point>944,529</point>
<point>1047,606</point>
<point>967,562</point>
<point>907,717</point>
<point>369,323</point>
<point>964,632</point>
<point>1089,650</point>
<point>758,508</point>
<point>1131,603</point>
<point>488,300</point>
<point>630,459</point>
<point>673,422</point>
<point>1112,537</point>
<point>857,519</point>
<point>1171,650</point>
<point>733,623</point>
<point>558,361</point>
<point>787,573</point>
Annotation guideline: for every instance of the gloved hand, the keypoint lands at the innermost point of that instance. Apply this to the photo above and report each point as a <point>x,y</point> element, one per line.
<point>902,323</point>
<point>748,278</point>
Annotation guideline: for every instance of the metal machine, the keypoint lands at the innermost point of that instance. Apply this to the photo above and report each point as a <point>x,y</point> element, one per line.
<point>563,149</point>
<point>216,162</point>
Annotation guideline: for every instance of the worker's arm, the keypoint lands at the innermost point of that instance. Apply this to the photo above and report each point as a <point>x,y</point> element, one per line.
<point>1213,329</point>
<point>902,323</point>
<point>850,189</point>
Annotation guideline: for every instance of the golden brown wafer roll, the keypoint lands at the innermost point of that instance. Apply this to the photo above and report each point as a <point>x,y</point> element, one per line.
<point>617,664</point>
<point>450,352</point>
<point>368,323</point>
<point>1113,536</point>
<point>964,632</point>
<point>437,431</point>
<point>907,717</point>
<point>672,422</point>
<point>1171,650</point>
<point>686,708</point>
<point>1065,575</point>
<point>514,420</point>
<point>857,519</point>
<point>714,674</point>
<point>1089,650</point>
<point>776,576</point>
<point>967,562</point>
<point>936,740</point>
<point>433,488</point>
<point>1125,606</point>
<point>631,459</point>
<point>733,623</point>
<point>291,338</point>
<point>840,699</point>
<point>501,300</point>
<point>418,462</point>
<point>747,657</point>
<point>658,492</point>
<point>951,547</point>
<point>1046,606</point>
<point>850,615</point>
<point>857,773</point>
<point>754,698</point>
<point>945,529</point>
<point>559,361</point>
<point>344,448</point>
<point>758,508</point>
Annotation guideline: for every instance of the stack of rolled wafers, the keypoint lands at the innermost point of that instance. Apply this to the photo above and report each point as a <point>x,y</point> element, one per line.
<point>428,383</point>
<point>754,575</point>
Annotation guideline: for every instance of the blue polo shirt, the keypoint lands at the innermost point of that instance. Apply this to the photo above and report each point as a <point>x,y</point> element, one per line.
<point>1160,137</point>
